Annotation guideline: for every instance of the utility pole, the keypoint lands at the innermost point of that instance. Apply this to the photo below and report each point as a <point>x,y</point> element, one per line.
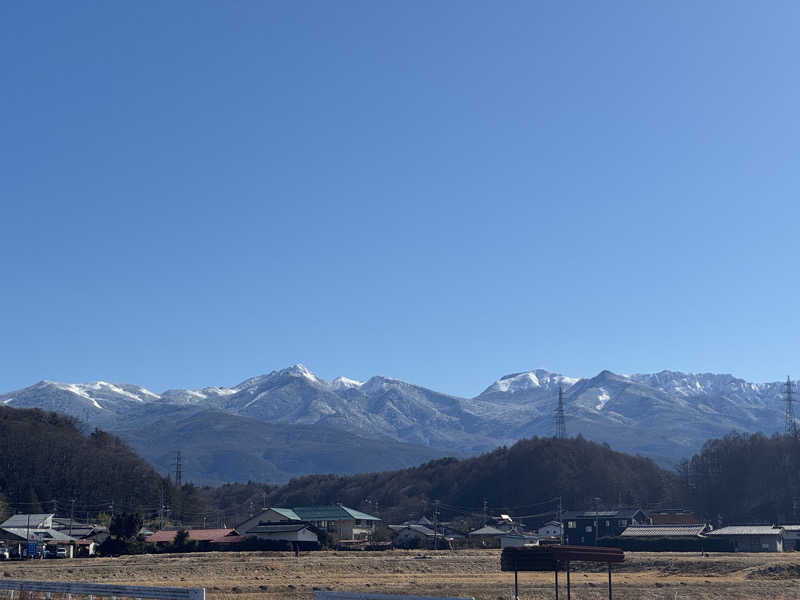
<point>561,425</point>
<point>596,502</point>
<point>161,510</point>
<point>178,470</point>
<point>790,425</point>
<point>436,525</point>
<point>560,522</point>
<point>485,511</point>
<point>71,515</point>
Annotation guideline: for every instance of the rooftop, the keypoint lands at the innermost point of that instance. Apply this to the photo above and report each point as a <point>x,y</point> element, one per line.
<point>421,529</point>
<point>41,521</point>
<point>747,530</point>
<point>38,533</point>
<point>489,530</point>
<point>336,512</point>
<point>663,530</point>
<point>278,528</point>
<point>200,535</point>
<point>616,513</point>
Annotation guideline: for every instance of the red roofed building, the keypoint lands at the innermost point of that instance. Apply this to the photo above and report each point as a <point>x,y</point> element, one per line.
<point>220,536</point>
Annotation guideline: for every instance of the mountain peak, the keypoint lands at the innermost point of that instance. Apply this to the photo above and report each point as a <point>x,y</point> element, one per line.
<point>529,380</point>
<point>344,383</point>
<point>300,370</point>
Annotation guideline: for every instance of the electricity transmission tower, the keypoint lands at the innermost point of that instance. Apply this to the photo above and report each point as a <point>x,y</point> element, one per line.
<point>790,425</point>
<point>178,470</point>
<point>561,425</point>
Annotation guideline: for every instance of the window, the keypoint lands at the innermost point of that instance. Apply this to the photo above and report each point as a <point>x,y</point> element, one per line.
<point>571,525</point>
<point>623,522</point>
<point>588,529</point>
<point>608,523</point>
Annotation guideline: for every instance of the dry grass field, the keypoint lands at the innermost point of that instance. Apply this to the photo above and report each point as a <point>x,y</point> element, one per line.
<point>274,575</point>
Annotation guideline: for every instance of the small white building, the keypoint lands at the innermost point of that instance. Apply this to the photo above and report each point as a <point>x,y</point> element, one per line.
<point>752,538</point>
<point>346,523</point>
<point>287,531</point>
<point>791,537</point>
<point>551,529</point>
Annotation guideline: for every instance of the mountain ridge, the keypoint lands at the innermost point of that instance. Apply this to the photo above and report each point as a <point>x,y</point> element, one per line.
<point>666,415</point>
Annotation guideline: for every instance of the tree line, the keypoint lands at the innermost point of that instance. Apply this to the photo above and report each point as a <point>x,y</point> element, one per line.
<point>46,459</point>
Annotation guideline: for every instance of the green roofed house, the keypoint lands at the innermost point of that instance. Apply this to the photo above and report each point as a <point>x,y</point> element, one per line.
<point>346,523</point>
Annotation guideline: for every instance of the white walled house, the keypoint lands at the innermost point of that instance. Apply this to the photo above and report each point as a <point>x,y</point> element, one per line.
<point>286,531</point>
<point>551,529</point>
<point>345,523</point>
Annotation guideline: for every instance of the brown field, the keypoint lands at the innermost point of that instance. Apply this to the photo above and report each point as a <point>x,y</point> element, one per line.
<point>275,575</point>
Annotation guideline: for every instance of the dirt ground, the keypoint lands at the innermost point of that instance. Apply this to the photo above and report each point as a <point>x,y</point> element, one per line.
<point>467,573</point>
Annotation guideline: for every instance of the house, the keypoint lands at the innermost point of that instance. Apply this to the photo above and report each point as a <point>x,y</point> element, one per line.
<point>81,531</point>
<point>752,538</point>
<point>550,529</point>
<point>25,521</point>
<point>79,539</point>
<point>286,531</point>
<point>167,536</point>
<point>411,535</point>
<point>343,522</point>
<point>586,527</point>
<point>19,539</point>
<point>490,535</point>
<point>791,537</point>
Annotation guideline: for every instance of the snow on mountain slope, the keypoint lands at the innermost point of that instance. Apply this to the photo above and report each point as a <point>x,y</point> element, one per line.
<point>667,414</point>
<point>344,383</point>
<point>97,403</point>
<point>538,380</point>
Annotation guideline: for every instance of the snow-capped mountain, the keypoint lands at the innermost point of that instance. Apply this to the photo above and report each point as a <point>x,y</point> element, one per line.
<point>667,415</point>
<point>537,381</point>
<point>98,402</point>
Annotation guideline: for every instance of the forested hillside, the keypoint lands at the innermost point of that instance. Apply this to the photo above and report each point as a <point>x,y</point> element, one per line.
<point>742,478</point>
<point>529,472</point>
<point>46,462</point>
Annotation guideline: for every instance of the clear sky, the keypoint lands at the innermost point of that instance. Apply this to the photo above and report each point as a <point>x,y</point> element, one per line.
<point>192,193</point>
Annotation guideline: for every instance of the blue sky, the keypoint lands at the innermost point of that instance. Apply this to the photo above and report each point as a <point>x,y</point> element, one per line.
<point>192,193</point>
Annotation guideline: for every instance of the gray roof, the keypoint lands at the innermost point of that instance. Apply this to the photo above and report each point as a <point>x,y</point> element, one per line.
<point>38,534</point>
<point>421,529</point>
<point>790,527</point>
<point>617,513</point>
<point>663,531</point>
<point>337,512</point>
<point>489,530</point>
<point>38,521</point>
<point>747,530</point>
<point>278,528</point>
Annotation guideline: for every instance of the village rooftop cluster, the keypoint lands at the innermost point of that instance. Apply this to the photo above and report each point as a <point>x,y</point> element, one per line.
<point>338,526</point>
